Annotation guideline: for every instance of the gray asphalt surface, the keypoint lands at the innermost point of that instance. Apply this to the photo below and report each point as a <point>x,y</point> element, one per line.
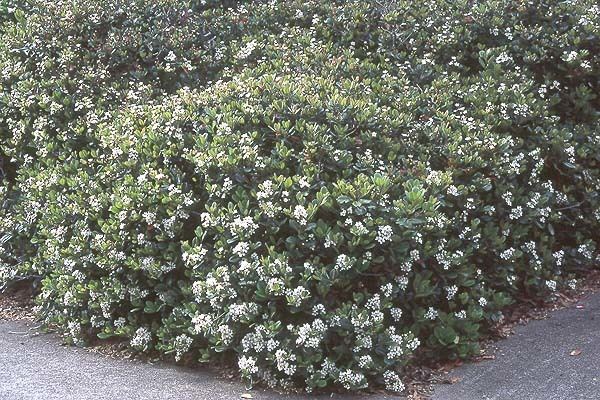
<point>536,362</point>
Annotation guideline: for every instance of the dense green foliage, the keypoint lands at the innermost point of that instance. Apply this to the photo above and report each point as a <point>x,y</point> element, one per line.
<point>322,190</point>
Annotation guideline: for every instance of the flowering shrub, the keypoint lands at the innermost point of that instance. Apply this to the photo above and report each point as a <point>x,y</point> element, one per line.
<point>323,189</point>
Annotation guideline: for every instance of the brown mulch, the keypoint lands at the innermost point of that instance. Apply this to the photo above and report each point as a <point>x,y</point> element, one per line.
<point>16,303</point>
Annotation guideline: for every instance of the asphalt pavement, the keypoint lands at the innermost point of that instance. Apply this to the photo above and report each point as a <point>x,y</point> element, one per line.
<point>552,359</point>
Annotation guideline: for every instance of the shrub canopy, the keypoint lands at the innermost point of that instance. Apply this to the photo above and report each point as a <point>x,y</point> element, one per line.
<point>319,190</point>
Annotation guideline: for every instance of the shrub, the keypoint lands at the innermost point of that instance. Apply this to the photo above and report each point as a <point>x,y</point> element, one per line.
<point>322,191</point>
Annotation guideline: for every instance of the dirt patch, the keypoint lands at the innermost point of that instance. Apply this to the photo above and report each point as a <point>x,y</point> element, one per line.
<point>16,303</point>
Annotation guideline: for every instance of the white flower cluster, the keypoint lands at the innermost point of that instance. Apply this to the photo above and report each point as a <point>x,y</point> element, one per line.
<point>451,291</point>
<point>350,379</point>
<point>431,313</point>
<point>286,361</point>
<point>141,339</point>
<point>201,323</point>
<point>300,214</point>
<point>393,382</point>
<point>311,335</point>
<point>247,365</point>
<point>245,51</point>
<point>296,296</point>
<point>384,234</point>
<point>181,345</point>
<point>343,262</point>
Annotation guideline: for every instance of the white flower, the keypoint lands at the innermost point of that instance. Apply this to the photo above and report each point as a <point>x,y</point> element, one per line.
<point>141,339</point>
<point>238,311</point>
<point>516,212</point>
<point>507,254</point>
<point>310,336</point>
<point>275,286</point>
<point>171,57</point>
<point>503,58</point>
<point>300,214</point>
<point>352,379</point>
<point>74,328</point>
<point>206,220</point>
<point>318,309</point>
<point>387,289</point>
<point>226,334</point>
<point>328,242</point>
<point>374,303</point>
<point>384,234</point>
<point>453,190</point>
<point>247,365</point>
<point>402,282</point>
<point>570,56</point>
<point>241,249</point>
<point>343,262</point>
<point>585,251</point>
<point>285,362</point>
<point>365,361</point>
<point>245,51</point>
<point>182,344</point>
<point>303,183</point>
<point>508,196</point>
<point>482,301</point>
<point>415,255</point>
<point>202,323</point>
<point>451,291</point>
<point>431,313</point>
<point>243,226</point>
<point>511,279</point>
<point>396,313</point>
<point>393,382</point>
<point>359,229</point>
<point>296,296</point>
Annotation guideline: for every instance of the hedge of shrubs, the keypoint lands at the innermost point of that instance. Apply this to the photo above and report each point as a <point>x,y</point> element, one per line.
<point>319,192</point>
